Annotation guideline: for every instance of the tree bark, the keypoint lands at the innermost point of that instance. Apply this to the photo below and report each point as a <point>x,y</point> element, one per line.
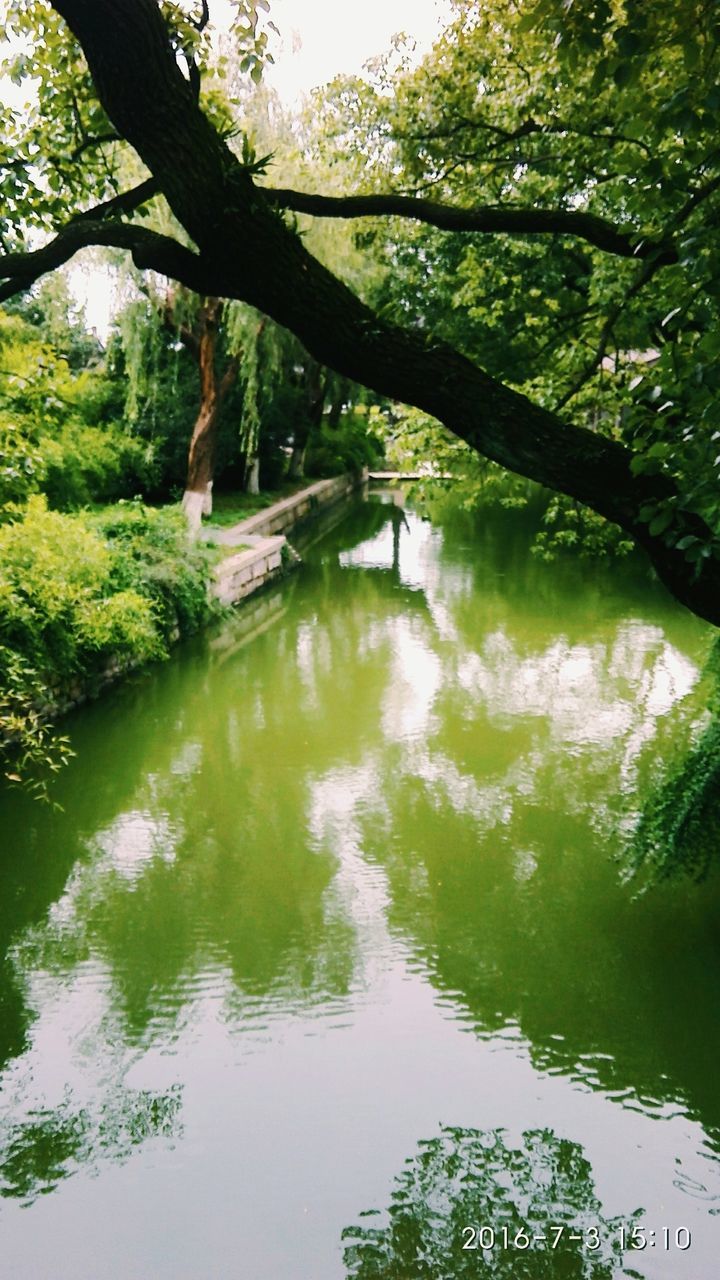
<point>264,263</point>
<point>252,479</point>
<point>200,340</point>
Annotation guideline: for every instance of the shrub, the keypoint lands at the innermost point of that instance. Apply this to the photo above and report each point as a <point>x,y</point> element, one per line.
<point>79,593</point>
<point>347,447</point>
<point>153,555</point>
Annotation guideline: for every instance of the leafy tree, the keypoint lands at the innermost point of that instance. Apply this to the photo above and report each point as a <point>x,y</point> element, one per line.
<point>652,75</point>
<point>59,432</point>
<point>607,113</point>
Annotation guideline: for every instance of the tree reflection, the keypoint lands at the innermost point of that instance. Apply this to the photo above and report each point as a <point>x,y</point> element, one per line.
<point>530,1200</point>
<point>51,1143</point>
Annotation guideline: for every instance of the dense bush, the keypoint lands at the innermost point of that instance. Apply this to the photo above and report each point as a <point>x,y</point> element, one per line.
<point>347,447</point>
<point>59,430</point>
<point>152,555</point>
<point>79,594</point>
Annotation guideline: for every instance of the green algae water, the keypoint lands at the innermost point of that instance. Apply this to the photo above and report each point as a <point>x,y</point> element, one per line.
<point>327,968</point>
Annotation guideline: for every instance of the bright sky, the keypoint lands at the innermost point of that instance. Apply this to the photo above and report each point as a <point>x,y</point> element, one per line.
<point>319,40</point>
<point>322,38</point>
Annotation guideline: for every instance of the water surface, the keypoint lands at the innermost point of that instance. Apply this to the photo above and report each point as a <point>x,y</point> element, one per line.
<point>332,917</point>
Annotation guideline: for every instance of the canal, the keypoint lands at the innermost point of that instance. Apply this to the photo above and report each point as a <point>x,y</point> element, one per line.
<point>327,967</point>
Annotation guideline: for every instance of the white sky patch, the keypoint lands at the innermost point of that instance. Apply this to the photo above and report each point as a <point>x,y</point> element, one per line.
<point>320,39</point>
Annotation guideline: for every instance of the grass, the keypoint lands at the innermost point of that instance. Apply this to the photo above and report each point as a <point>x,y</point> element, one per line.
<point>226,552</point>
<point>230,508</point>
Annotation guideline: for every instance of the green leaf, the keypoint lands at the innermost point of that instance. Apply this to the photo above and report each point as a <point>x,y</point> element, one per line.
<point>661,522</point>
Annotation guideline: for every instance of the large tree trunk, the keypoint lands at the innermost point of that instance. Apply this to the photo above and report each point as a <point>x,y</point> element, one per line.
<point>201,341</point>
<point>246,251</point>
<point>197,498</point>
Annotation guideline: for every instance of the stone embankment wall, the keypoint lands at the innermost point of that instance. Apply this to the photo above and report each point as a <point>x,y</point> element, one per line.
<point>238,576</point>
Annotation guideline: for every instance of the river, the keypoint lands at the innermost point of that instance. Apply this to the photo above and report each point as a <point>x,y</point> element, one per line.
<point>327,966</point>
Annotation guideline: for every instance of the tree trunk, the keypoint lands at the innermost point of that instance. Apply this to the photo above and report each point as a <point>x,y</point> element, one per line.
<point>249,253</point>
<point>201,341</point>
<point>252,479</point>
<point>315,389</point>
<point>198,486</point>
<point>296,468</point>
<point>201,456</point>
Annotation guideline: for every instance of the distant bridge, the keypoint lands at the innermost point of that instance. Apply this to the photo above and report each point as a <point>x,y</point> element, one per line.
<point>410,475</point>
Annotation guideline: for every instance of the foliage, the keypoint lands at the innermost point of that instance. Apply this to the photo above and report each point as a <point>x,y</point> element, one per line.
<point>413,441</point>
<point>30,751</point>
<point>55,588</point>
<point>609,109</point>
<point>81,595</point>
<point>568,525</point>
<point>347,447</point>
<point>153,556</point>
<point>57,435</point>
<point>678,831</point>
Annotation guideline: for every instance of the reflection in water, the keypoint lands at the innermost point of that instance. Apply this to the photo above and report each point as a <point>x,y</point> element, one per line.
<point>53,1142</point>
<point>468,1204</point>
<point>340,871</point>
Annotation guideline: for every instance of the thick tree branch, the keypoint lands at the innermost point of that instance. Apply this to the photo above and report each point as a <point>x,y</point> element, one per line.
<point>150,251</point>
<point>587,226</point>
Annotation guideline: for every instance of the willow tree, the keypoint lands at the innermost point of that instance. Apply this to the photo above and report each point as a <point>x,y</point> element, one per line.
<point>116,72</point>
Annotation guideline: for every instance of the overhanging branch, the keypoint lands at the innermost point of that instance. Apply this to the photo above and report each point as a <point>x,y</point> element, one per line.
<point>586,226</point>
<point>150,251</point>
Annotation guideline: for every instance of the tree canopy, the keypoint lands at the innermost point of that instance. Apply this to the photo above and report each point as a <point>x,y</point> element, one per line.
<point>543,193</point>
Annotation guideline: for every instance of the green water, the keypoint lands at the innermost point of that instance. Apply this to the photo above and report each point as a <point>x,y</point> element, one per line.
<point>331,919</point>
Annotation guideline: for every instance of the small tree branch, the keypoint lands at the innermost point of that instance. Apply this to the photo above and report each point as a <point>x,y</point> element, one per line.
<point>167,311</point>
<point>124,202</point>
<point>204,18</point>
<point>587,226</point>
<point>466,124</point>
<point>88,143</point>
<point>648,270</point>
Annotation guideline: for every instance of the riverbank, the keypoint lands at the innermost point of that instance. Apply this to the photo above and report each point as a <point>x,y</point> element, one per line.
<point>269,554</point>
<point>89,597</point>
